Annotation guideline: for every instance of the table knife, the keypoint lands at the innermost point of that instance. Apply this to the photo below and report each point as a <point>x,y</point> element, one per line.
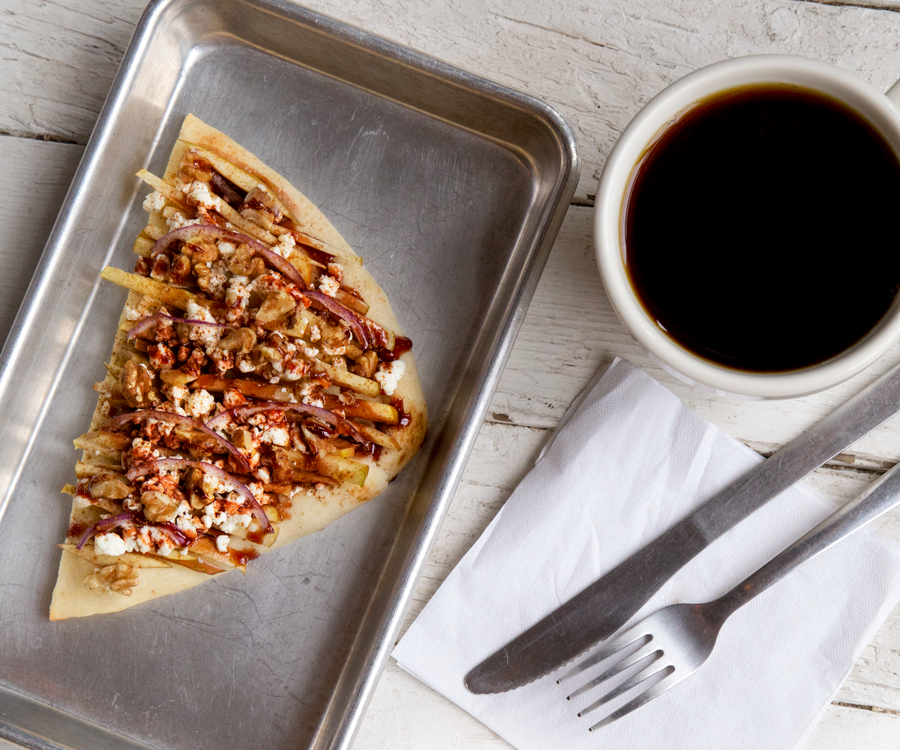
<point>608,603</point>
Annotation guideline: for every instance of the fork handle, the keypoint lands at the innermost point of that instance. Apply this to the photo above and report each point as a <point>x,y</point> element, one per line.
<point>879,497</point>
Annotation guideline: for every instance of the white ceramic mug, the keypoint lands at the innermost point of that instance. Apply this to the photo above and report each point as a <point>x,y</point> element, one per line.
<point>880,110</point>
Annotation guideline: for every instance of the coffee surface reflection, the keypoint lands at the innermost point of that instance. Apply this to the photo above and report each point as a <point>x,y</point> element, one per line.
<point>758,229</point>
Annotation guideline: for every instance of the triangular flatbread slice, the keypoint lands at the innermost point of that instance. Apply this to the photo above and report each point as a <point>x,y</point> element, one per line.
<point>259,387</point>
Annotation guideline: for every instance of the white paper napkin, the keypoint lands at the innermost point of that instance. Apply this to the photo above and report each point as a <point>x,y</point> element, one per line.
<point>630,461</point>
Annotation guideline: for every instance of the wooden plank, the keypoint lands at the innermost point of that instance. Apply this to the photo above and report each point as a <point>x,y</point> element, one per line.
<point>59,60</point>
<point>597,62</point>
<point>36,175</point>
<point>571,330</point>
<point>430,720</point>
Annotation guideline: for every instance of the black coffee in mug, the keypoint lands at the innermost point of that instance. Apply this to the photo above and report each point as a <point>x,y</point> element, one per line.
<point>759,229</point>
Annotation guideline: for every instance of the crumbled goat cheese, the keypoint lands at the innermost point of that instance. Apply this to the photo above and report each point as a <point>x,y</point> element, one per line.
<point>230,524</point>
<point>216,279</point>
<point>237,294</point>
<point>222,542</point>
<point>177,394</point>
<point>212,485</point>
<point>207,336</point>
<point>200,192</point>
<point>109,544</point>
<point>389,375</point>
<point>226,249</point>
<point>178,220</point>
<point>198,312</point>
<point>329,285</point>
<point>276,436</point>
<point>285,246</point>
<point>200,403</point>
<point>155,202</point>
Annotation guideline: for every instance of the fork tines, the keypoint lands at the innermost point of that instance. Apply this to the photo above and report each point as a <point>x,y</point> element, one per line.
<point>618,648</point>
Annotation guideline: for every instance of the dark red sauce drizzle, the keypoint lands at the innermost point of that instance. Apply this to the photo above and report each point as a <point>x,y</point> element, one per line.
<point>401,346</point>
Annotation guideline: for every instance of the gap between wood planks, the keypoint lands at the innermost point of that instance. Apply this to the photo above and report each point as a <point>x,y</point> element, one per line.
<point>890,5</point>
<point>38,137</point>
<point>873,709</point>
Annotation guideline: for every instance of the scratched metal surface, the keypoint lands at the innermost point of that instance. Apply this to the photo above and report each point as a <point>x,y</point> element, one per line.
<point>452,191</point>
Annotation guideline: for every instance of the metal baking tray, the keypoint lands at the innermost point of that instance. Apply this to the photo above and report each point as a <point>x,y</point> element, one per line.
<point>451,188</point>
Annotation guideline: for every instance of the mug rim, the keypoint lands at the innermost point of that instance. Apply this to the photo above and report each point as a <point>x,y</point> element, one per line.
<point>652,120</point>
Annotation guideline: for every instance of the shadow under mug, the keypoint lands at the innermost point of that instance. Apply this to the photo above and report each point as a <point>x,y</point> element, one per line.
<point>881,111</point>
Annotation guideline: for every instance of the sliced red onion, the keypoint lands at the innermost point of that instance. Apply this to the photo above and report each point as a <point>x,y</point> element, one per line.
<point>220,420</point>
<point>283,265</point>
<point>214,471</point>
<point>105,525</point>
<point>357,322</point>
<point>247,410</point>
<point>212,232</point>
<point>194,424</point>
<point>175,534</point>
<point>147,323</point>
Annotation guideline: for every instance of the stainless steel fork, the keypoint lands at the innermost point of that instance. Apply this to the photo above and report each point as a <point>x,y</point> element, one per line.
<point>678,639</point>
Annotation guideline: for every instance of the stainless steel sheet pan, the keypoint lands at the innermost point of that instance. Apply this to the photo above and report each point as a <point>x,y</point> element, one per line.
<point>451,188</point>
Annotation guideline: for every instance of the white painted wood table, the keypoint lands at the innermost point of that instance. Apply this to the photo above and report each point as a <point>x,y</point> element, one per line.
<point>597,62</point>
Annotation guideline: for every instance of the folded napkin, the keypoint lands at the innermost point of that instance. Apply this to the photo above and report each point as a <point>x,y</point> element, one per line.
<point>630,461</point>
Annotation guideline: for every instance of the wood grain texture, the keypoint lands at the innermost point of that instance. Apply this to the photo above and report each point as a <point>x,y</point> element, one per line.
<point>597,62</point>
<point>437,724</point>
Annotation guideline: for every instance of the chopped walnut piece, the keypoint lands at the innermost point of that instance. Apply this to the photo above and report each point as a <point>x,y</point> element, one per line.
<point>137,383</point>
<point>245,263</point>
<point>366,365</point>
<point>242,340</point>
<point>120,578</point>
<point>159,507</point>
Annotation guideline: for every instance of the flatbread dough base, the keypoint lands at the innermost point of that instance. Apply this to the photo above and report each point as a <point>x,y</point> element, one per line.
<point>308,514</point>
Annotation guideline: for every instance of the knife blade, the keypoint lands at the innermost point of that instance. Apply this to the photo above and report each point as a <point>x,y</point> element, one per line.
<point>607,604</point>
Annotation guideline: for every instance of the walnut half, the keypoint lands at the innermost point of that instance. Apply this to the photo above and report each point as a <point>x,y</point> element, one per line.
<point>120,578</point>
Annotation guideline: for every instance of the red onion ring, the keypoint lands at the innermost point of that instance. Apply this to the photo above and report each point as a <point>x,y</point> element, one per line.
<point>104,525</point>
<point>214,471</point>
<point>212,232</point>
<point>194,424</point>
<point>149,321</point>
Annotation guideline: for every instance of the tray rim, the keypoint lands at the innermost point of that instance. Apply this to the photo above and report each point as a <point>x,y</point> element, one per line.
<point>343,716</point>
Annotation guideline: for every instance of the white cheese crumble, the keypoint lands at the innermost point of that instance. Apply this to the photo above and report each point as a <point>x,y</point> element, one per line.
<point>226,249</point>
<point>237,294</point>
<point>230,524</point>
<point>198,312</point>
<point>155,202</point>
<point>109,544</point>
<point>389,375</point>
<point>285,246</point>
<point>200,192</point>
<point>329,285</point>
<point>178,220</point>
<point>177,394</point>
<point>200,403</point>
<point>217,278</point>
<point>222,542</point>
<point>276,436</point>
